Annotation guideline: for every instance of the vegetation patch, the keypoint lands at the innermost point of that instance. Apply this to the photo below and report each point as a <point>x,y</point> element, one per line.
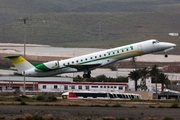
<point>117,105</point>
<point>28,116</point>
<point>109,118</point>
<point>2,117</point>
<point>167,118</point>
<point>151,106</point>
<point>46,97</point>
<point>160,106</point>
<point>174,105</point>
<point>23,103</point>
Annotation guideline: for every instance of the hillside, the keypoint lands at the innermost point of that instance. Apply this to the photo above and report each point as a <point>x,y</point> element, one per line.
<point>92,23</point>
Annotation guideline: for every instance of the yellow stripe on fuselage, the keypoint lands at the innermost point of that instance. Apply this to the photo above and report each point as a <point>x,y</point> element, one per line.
<point>17,60</point>
<point>137,51</point>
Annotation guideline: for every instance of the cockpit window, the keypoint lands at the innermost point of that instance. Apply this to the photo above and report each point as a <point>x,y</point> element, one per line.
<point>156,41</point>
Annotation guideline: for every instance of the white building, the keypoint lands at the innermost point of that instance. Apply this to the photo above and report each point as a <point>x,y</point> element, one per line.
<point>81,86</point>
<point>57,84</point>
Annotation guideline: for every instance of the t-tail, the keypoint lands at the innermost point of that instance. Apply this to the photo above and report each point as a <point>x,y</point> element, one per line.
<point>20,63</point>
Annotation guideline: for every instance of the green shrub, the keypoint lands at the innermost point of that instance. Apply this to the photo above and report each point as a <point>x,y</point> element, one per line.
<point>160,106</point>
<point>121,119</point>
<point>17,99</point>
<point>28,117</point>
<point>151,106</point>
<point>49,117</point>
<point>50,98</point>
<point>117,105</point>
<point>21,98</point>
<point>46,98</point>
<point>167,118</point>
<point>106,105</point>
<point>109,118</point>
<point>2,117</point>
<point>40,97</point>
<point>174,105</point>
<point>18,118</point>
<point>37,117</point>
<point>88,119</point>
<point>23,103</point>
<point>149,118</point>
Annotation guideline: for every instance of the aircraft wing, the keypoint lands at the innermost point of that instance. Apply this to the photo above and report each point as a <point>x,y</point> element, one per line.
<point>81,67</point>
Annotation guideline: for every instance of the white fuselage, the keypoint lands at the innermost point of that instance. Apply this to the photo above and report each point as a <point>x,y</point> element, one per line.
<point>105,57</point>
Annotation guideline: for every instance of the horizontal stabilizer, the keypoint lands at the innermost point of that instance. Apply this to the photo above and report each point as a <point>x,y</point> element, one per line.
<point>12,56</point>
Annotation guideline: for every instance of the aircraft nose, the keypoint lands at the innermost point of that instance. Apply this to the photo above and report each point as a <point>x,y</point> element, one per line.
<point>171,44</point>
<point>168,45</point>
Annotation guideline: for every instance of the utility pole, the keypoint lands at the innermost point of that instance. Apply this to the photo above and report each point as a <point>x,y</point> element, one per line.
<point>24,21</point>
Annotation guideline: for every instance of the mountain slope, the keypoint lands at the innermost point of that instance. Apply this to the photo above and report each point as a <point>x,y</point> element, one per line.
<point>89,23</point>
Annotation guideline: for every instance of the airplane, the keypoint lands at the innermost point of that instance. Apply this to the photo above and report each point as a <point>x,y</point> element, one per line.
<point>86,63</point>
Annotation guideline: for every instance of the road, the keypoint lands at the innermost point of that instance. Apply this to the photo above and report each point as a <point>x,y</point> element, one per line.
<point>84,113</point>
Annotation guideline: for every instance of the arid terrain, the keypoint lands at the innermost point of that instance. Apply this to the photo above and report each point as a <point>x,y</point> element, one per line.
<point>92,109</point>
<point>91,113</point>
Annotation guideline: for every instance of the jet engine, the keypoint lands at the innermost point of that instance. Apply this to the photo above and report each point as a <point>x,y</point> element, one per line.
<point>41,69</point>
<point>48,66</point>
